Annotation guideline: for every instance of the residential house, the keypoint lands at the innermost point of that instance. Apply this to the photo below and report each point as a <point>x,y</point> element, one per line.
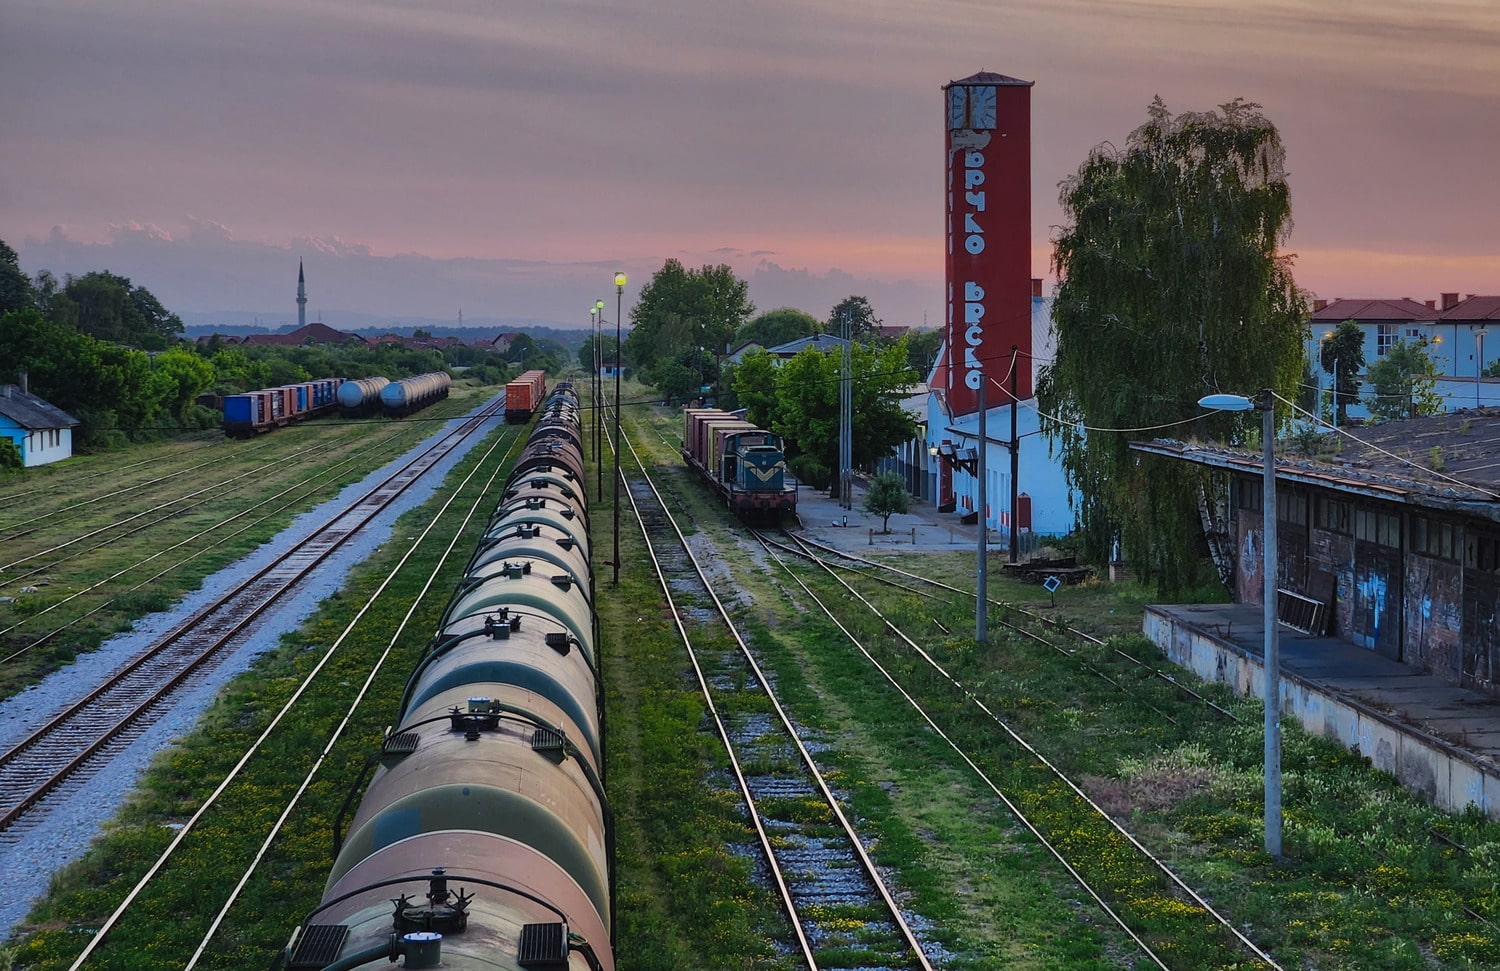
<point>41,431</point>
<point>1454,330</point>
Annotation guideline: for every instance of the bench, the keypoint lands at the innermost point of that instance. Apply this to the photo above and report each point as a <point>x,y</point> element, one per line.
<point>1302,613</point>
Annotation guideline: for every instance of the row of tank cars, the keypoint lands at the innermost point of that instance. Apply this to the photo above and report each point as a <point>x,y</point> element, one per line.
<point>483,839</point>
<point>743,464</point>
<point>256,412</point>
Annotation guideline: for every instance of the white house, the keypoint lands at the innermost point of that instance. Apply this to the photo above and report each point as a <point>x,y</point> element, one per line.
<point>42,432</point>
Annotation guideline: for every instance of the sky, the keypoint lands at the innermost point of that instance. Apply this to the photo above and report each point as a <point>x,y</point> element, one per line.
<point>505,158</point>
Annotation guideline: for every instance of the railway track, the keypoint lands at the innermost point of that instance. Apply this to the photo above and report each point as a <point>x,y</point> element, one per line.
<point>55,758</point>
<point>842,912</point>
<point>1083,811</point>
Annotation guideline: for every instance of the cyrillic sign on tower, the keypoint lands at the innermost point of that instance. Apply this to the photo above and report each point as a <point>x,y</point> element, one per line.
<point>989,238</point>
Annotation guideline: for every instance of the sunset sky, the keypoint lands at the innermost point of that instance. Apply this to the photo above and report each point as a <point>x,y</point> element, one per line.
<point>506,157</point>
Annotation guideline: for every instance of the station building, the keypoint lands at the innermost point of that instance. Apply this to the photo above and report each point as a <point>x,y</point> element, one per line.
<point>1390,539</point>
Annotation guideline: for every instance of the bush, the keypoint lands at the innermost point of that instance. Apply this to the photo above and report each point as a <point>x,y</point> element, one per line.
<point>810,472</point>
<point>10,455</point>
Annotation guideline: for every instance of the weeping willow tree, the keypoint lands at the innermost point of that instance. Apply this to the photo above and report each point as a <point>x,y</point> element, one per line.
<point>1170,287</point>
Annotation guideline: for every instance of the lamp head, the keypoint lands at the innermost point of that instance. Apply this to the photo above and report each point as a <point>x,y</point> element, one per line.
<point>620,279</point>
<point>1226,402</point>
<point>599,306</point>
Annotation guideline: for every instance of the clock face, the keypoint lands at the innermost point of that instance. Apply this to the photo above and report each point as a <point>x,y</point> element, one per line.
<point>982,107</point>
<point>958,113</point>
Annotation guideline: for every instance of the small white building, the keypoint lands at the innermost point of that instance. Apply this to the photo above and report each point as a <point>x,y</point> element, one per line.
<point>42,432</point>
<point>1044,500</point>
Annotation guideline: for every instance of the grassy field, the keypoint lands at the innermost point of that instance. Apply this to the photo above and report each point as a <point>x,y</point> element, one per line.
<point>90,545</point>
<point>1364,883</point>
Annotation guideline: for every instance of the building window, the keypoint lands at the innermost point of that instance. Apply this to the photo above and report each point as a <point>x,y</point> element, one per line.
<point>1383,528</point>
<point>1481,552</point>
<point>1432,537</point>
<point>1332,515</point>
<point>1247,494</point>
<point>1385,338</point>
<point>1291,508</point>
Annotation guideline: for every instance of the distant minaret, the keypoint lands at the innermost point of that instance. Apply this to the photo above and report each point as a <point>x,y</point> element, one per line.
<point>301,297</point>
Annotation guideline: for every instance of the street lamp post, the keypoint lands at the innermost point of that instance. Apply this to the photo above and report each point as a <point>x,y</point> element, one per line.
<point>1272,674</point>
<point>598,312</point>
<point>619,298</point>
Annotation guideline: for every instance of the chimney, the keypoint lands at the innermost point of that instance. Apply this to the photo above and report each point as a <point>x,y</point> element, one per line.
<point>1431,304</point>
<point>1319,305</point>
<point>1036,286</point>
<point>1450,300</point>
<point>23,382</point>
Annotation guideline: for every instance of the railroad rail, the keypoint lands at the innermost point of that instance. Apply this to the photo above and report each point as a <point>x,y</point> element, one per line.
<point>60,751</point>
<point>1212,916</point>
<point>817,859</point>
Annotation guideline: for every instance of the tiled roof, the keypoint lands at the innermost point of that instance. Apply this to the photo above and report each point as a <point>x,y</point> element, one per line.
<point>1475,307</point>
<point>1370,309</point>
<point>31,412</point>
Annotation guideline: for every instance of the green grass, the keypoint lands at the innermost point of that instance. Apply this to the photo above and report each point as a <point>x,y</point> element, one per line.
<point>90,588</point>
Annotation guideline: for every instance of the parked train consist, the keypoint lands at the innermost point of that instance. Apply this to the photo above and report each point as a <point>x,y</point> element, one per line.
<point>744,464</point>
<point>361,396</point>
<point>523,395</point>
<point>256,412</point>
<point>400,398</point>
<point>486,824</point>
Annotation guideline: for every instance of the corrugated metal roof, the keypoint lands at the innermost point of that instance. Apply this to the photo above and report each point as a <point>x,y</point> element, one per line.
<point>1449,461</point>
<point>31,412</point>
<point>821,342</point>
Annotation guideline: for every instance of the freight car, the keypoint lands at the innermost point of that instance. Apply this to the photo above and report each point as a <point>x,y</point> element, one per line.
<point>400,398</point>
<point>360,396</point>
<point>486,824</point>
<point>745,465</point>
<point>255,412</point>
<point>523,395</point>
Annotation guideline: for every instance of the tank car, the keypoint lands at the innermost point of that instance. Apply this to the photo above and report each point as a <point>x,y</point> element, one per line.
<point>484,840</point>
<point>743,464</point>
<point>360,396</point>
<point>400,398</point>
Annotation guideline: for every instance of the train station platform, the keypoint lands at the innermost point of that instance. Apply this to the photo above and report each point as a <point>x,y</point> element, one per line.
<point>825,520</point>
<point>1438,739</point>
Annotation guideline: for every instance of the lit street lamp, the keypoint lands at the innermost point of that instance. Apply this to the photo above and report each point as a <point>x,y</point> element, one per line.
<point>619,297</point>
<point>1272,661</point>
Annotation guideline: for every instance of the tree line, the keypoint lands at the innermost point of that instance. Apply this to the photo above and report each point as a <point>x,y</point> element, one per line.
<point>106,351</point>
<point>687,321</point>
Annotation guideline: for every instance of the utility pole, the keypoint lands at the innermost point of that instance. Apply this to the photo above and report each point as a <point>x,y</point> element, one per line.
<point>981,573</point>
<point>846,419</point>
<point>1015,457</point>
